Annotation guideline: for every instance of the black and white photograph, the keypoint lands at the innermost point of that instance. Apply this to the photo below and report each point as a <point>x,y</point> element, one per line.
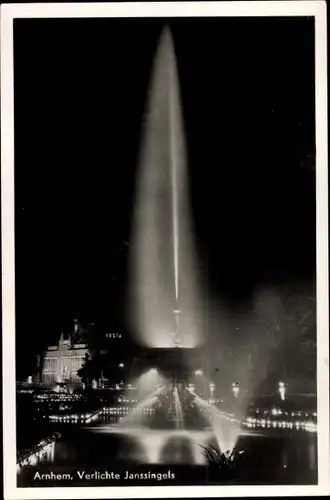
<point>165,232</point>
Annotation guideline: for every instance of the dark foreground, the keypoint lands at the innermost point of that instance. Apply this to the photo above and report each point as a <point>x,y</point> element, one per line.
<point>87,458</point>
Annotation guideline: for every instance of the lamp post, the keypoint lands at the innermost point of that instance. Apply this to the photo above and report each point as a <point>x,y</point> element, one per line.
<point>235,388</point>
<point>282,390</point>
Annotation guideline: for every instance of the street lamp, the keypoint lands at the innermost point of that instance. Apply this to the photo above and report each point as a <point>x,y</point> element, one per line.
<point>235,388</point>
<point>121,365</point>
<point>282,390</point>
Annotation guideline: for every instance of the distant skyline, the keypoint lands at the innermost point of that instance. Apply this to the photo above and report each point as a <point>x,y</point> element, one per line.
<point>80,91</point>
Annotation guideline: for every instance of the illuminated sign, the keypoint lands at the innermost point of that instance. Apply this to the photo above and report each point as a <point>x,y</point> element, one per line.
<point>113,335</point>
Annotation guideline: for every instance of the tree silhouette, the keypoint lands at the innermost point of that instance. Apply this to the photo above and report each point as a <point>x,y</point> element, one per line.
<point>90,369</point>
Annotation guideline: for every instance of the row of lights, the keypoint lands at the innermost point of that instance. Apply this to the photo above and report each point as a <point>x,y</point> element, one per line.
<point>299,425</point>
<point>87,418</point>
<point>41,448</point>
<point>66,419</point>
<point>299,413</point>
<point>126,409</point>
<point>59,397</point>
<point>281,387</point>
<point>278,411</point>
<point>118,387</point>
<point>34,458</point>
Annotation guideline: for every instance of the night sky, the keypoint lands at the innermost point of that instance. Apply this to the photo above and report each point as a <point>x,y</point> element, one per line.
<point>80,88</point>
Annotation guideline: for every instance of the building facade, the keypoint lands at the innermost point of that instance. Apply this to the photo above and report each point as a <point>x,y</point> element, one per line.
<point>62,362</point>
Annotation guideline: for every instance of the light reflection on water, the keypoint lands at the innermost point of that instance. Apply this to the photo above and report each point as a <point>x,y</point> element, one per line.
<point>96,446</point>
<point>159,446</point>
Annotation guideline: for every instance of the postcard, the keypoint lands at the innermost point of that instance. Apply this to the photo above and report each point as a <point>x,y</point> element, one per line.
<point>164,255</point>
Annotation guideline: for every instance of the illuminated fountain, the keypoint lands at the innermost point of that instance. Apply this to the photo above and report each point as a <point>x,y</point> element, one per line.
<point>164,293</point>
<point>226,427</point>
<point>165,297</point>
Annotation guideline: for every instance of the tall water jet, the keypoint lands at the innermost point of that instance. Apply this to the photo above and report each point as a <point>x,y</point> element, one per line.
<point>164,302</point>
<point>178,413</point>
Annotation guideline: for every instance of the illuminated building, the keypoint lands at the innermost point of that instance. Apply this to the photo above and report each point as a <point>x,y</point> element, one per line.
<point>62,361</point>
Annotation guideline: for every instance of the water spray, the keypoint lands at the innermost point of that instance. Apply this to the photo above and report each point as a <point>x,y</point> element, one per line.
<point>176,333</point>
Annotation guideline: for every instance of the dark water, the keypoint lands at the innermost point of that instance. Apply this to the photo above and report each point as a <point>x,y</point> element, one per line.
<point>173,459</point>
